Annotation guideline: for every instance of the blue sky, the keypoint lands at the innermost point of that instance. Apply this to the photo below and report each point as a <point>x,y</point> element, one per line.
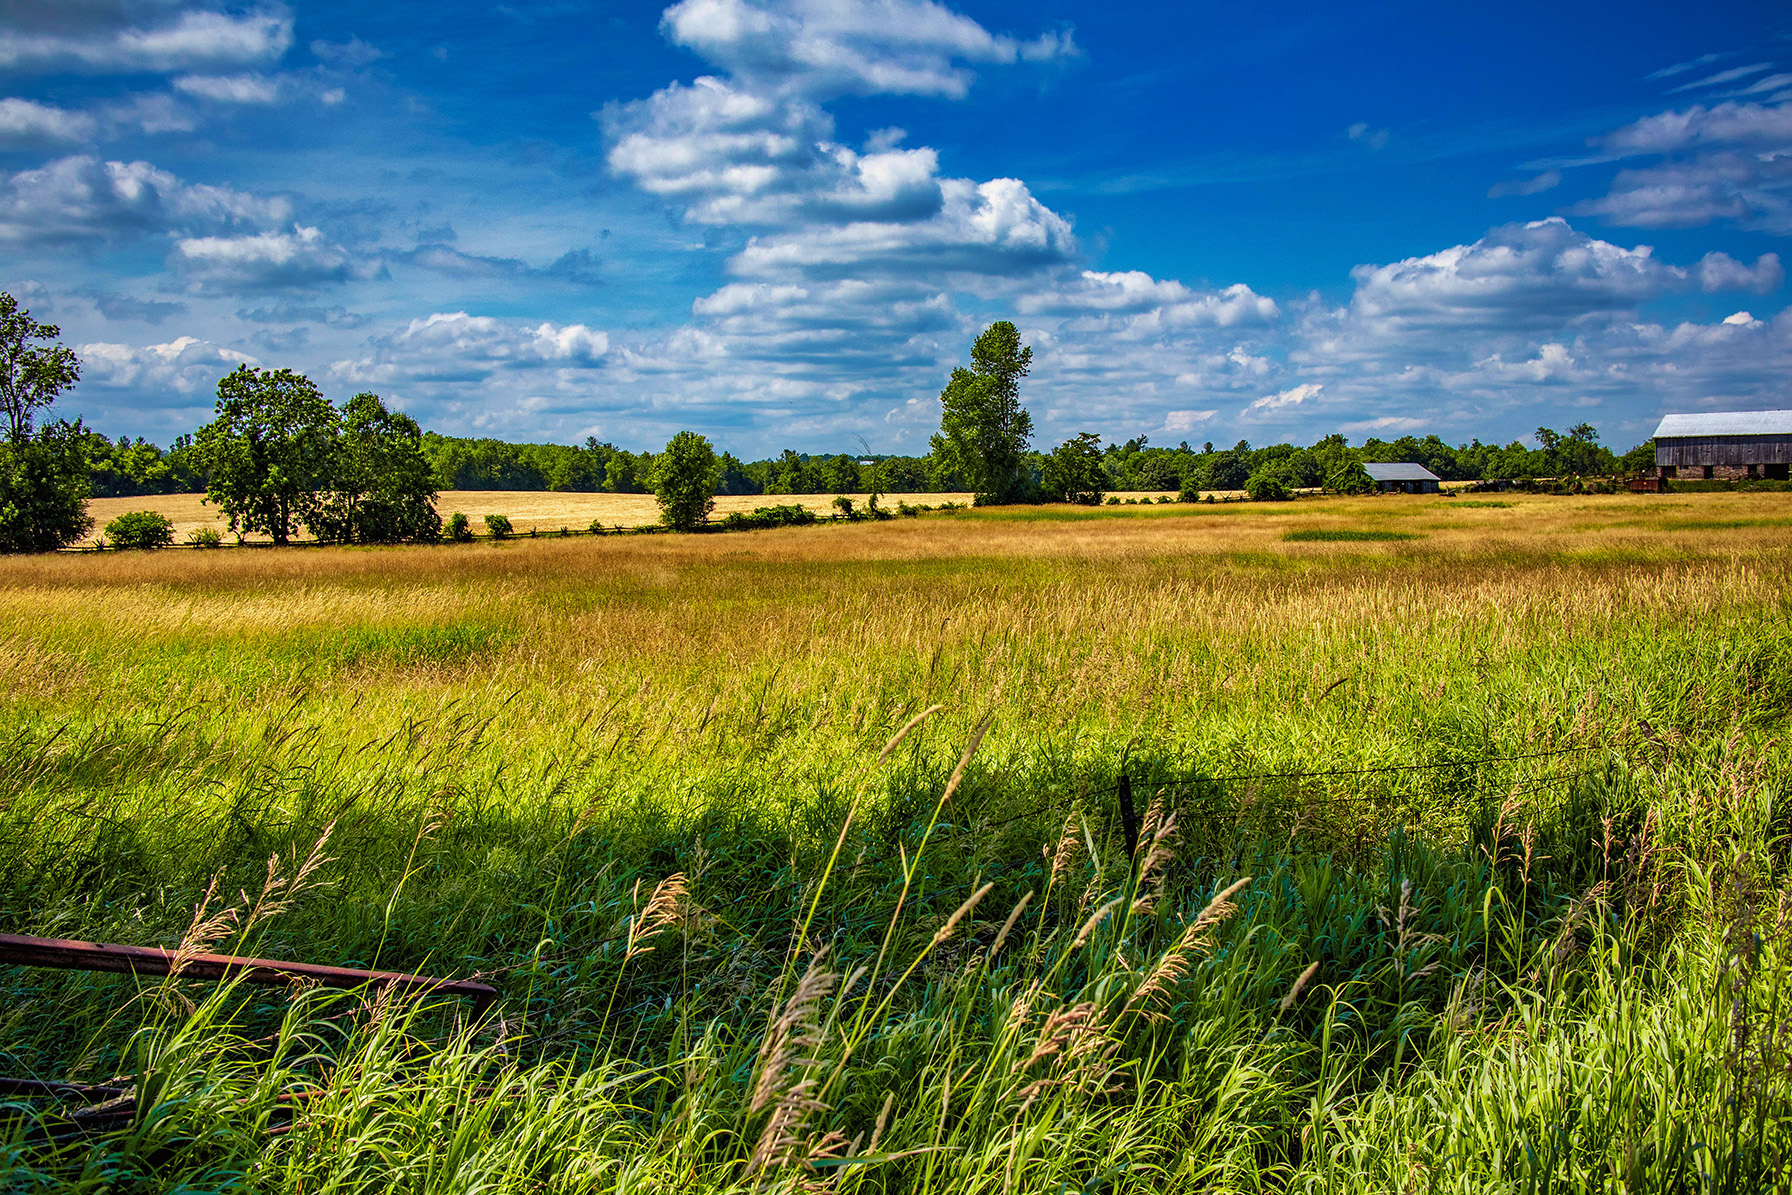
<point>781,222</point>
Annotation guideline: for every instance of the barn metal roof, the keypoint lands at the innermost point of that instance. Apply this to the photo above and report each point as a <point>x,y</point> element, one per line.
<point>1399,471</point>
<point>1727,423</point>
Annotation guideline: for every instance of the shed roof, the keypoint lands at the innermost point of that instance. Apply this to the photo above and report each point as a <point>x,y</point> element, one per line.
<point>1727,423</point>
<point>1400,471</point>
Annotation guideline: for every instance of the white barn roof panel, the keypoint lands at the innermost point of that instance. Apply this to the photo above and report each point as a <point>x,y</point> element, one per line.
<point>1727,423</point>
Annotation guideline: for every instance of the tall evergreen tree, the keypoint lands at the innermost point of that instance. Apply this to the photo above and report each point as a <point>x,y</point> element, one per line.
<point>984,431</point>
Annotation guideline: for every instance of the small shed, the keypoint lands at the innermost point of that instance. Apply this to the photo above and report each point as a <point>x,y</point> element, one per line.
<point>1724,445</point>
<point>1401,478</point>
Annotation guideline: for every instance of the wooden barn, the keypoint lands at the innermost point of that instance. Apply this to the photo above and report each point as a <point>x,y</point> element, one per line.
<point>1724,445</point>
<point>1400,478</point>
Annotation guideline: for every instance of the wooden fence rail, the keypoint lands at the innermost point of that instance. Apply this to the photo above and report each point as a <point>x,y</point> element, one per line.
<point>22,950</point>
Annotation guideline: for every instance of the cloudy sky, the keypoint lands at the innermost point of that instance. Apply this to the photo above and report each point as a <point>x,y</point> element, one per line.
<point>781,222</point>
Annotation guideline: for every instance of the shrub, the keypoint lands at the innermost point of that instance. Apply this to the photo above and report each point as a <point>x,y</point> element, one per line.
<point>597,526</point>
<point>458,531</point>
<point>140,529</point>
<point>843,504</point>
<point>1190,491</point>
<point>907,511</point>
<point>1263,486</point>
<point>498,526</point>
<point>787,515</point>
<point>1113,501</point>
<point>205,537</point>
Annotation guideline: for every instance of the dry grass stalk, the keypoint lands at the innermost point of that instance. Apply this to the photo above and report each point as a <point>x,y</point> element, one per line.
<point>1300,985</point>
<point>1159,851</point>
<point>1073,1049</point>
<point>896,739</point>
<point>960,913</point>
<point>995,947</point>
<point>669,906</point>
<point>1095,919</point>
<point>785,1084</point>
<point>1065,854</point>
<point>1177,959</point>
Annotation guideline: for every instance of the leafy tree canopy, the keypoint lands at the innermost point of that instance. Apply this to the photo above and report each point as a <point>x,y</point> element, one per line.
<point>43,471</point>
<point>684,481</point>
<point>1074,471</point>
<point>381,487</point>
<point>984,431</point>
<point>31,375</point>
<point>268,451</point>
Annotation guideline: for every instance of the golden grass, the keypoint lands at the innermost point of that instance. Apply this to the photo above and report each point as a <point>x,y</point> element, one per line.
<point>1052,611</point>
<point>545,511</point>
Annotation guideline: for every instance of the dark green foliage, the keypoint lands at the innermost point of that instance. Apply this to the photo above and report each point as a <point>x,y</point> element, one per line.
<point>984,431</point>
<point>1189,491</point>
<point>43,473</point>
<point>136,468</point>
<point>734,478</point>
<point>1640,459</point>
<point>498,526</point>
<point>1267,485</point>
<point>1074,473</point>
<point>31,376</point>
<point>43,489</point>
<point>381,488</point>
<point>268,452</point>
<point>684,481</point>
<point>763,517</point>
<point>1578,453</point>
<point>140,529</point>
<point>206,537</point>
<point>458,529</point>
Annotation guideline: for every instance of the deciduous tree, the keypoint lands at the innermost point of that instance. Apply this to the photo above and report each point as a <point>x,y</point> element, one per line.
<point>43,471</point>
<point>684,481</point>
<point>381,486</point>
<point>268,451</point>
<point>1074,471</point>
<point>31,375</point>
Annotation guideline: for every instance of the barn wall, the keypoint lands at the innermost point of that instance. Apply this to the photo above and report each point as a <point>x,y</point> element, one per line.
<point>1689,451</point>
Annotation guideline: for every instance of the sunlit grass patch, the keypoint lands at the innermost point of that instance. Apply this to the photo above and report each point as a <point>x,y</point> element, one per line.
<point>1307,535</point>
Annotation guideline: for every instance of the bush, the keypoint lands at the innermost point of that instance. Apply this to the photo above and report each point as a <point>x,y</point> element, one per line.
<point>907,511</point>
<point>843,504</point>
<point>458,531</point>
<point>205,537</point>
<point>498,526</point>
<point>597,526</point>
<point>787,515</point>
<point>1263,486</point>
<point>141,529</point>
<point>1190,491</point>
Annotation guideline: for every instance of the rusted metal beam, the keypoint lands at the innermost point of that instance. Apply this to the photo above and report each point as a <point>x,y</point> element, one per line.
<point>22,950</point>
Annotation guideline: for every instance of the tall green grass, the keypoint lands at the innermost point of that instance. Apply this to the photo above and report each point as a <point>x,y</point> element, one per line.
<point>1468,877</point>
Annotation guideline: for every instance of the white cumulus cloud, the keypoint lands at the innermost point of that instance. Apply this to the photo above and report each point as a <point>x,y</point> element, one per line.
<point>91,38</point>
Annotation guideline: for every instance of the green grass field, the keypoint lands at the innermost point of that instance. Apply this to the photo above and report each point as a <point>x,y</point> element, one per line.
<point>798,860</point>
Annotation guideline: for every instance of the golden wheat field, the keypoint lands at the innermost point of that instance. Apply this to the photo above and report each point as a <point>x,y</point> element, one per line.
<point>540,510</point>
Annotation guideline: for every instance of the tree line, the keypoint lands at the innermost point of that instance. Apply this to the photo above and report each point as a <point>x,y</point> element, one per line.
<point>278,456</point>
